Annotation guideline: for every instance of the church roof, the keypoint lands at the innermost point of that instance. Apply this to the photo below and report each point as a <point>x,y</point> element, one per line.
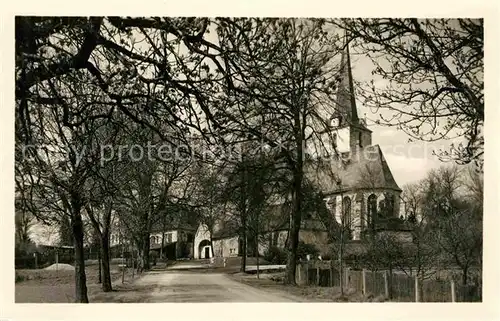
<point>362,170</point>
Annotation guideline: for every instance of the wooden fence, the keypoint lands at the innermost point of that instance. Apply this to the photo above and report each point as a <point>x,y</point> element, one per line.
<point>396,286</point>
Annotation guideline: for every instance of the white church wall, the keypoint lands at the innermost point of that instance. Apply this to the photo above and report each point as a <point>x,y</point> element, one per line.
<point>339,137</point>
<point>343,139</point>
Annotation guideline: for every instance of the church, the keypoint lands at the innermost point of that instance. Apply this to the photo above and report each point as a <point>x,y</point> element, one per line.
<point>359,189</point>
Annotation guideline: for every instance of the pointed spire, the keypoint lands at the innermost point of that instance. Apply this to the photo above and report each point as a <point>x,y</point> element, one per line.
<point>345,93</point>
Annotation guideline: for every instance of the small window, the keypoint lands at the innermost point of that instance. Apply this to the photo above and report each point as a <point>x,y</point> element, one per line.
<point>360,141</point>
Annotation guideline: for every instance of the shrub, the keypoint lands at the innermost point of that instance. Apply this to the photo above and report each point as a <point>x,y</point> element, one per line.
<point>153,255</point>
<point>304,249</point>
<point>20,278</point>
<point>276,255</point>
<point>327,257</point>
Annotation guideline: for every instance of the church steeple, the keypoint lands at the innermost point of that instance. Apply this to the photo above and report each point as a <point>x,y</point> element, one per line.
<point>351,132</point>
<point>346,101</point>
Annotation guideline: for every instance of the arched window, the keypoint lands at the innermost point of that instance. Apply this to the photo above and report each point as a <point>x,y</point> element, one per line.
<point>372,209</point>
<point>346,206</point>
<point>382,208</point>
<point>391,206</point>
<point>387,205</point>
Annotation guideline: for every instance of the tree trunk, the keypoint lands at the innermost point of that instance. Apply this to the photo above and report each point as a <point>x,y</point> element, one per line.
<point>243,253</point>
<point>138,259</point>
<point>341,257</point>
<point>99,262</point>
<point>80,278</point>
<point>243,236</point>
<point>145,251</point>
<point>389,280</point>
<point>163,227</point>
<point>421,288</point>
<point>464,275</point>
<point>106,280</point>
<point>144,245</point>
<point>295,225</point>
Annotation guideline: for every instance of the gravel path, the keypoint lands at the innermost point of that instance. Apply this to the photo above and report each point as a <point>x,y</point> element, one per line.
<point>189,286</point>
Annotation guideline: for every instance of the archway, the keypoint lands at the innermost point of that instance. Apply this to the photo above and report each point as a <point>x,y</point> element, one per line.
<point>204,250</point>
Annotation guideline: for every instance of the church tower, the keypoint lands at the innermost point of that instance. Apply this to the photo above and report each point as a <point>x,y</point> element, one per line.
<point>359,186</point>
<point>349,131</point>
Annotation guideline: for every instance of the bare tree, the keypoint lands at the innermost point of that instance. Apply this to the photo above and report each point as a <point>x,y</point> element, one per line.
<point>434,74</point>
<point>456,219</point>
<point>24,220</point>
<point>284,73</point>
<point>423,255</point>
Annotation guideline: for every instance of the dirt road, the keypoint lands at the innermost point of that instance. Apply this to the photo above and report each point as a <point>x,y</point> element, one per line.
<point>188,286</point>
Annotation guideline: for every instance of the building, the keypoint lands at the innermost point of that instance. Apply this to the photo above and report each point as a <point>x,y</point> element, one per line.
<point>177,241</point>
<point>352,173</point>
<point>359,188</point>
<point>171,239</point>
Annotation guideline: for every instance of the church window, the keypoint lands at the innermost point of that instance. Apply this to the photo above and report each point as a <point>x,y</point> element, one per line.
<point>382,208</point>
<point>387,205</point>
<point>346,209</point>
<point>360,136</point>
<point>390,205</point>
<point>372,209</point>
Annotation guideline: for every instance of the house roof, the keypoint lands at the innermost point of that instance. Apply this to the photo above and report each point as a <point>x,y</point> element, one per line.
<point>363,169</point>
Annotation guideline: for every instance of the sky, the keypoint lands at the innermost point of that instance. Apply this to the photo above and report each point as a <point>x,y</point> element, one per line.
<point>409,161</point>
